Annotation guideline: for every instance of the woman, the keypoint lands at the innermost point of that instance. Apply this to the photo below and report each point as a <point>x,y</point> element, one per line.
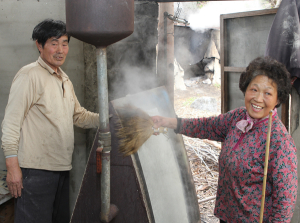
<point>243,131</point>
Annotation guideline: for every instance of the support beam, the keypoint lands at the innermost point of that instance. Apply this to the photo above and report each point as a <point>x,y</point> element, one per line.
<point>165,53</point>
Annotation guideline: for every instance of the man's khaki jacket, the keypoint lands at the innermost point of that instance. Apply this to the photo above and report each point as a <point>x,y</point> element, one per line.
<point>39,117</point>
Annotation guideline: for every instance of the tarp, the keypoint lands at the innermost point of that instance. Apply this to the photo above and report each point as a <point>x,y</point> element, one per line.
<point>284,38</point>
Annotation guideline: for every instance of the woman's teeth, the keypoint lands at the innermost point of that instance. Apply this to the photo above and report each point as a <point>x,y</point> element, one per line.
<point>257,107</point>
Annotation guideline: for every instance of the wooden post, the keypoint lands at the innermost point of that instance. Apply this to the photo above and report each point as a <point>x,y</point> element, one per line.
<point>165,51</point>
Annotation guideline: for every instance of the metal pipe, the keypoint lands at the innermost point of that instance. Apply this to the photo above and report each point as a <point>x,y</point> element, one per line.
<point>102,89</point>
<point>105,187</point>
<point>104,135</point>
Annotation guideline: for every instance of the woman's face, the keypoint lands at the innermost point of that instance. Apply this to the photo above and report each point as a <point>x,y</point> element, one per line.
<point>261,96</point>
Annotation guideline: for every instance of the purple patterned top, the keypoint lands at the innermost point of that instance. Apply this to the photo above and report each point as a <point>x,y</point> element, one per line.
<point>241,167</point>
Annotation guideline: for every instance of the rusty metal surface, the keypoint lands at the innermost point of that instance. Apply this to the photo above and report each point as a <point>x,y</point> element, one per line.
<point>100,22</point>
<point>125,190</point>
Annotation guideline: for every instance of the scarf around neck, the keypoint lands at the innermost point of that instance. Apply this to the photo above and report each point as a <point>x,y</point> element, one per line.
<point>247,123</point>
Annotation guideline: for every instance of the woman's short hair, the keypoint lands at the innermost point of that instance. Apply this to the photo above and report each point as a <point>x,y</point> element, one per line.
<point>47,29</point>
<point>271,68</point>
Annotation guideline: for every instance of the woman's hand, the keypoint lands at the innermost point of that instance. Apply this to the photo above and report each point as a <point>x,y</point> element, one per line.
<point>160,121</point>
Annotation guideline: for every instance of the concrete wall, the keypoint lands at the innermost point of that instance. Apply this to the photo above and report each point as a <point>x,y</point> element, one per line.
<point>18,18</point>
<point>191,46</point>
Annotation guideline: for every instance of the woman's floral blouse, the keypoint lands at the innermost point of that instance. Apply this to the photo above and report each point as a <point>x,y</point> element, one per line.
<point>241,167</point>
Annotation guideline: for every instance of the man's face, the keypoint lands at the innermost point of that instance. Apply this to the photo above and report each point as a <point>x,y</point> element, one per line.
<point>54,51</point>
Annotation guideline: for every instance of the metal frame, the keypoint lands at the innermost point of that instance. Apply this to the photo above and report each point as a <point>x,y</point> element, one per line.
<point>225,69</point>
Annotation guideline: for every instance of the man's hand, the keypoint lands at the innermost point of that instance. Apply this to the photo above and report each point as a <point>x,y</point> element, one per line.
<point>14,176</point>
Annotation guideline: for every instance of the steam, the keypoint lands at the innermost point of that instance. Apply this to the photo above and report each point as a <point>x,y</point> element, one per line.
<point>132,66</point>
<point>134,70</point>
<point>136,79</point>
<point>209,15</point>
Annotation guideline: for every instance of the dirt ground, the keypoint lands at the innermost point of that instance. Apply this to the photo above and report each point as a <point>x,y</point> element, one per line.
<point>184,98</point>
<point>203,154</point>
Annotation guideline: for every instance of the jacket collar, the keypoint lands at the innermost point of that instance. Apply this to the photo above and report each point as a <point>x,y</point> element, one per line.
<point>60,72</point>
<point>247,122</point>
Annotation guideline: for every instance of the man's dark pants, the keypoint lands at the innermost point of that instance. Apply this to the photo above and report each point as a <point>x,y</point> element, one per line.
<point>45,197</point>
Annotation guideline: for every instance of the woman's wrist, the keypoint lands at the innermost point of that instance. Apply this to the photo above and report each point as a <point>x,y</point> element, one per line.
<point>171,123</point>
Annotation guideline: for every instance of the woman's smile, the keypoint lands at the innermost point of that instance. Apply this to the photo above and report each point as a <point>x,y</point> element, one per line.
<point>256,107</point>
<point>261,97</point>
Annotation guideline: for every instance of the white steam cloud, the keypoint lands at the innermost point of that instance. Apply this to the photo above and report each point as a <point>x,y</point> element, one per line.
<point>209,15</point>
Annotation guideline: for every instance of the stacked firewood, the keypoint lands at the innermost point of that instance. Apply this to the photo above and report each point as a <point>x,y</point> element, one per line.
<point>203,156</point>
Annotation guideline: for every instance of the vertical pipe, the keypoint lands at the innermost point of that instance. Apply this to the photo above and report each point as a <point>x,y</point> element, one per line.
<point>104,135</point>
<point>105,187</point>
<point>102,88</point>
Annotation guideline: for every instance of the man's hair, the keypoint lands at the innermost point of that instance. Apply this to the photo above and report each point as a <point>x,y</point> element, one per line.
<point>272,69</point>
<point>47,29</point>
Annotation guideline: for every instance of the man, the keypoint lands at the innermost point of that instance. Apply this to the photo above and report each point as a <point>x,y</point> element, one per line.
<point>38,135</point>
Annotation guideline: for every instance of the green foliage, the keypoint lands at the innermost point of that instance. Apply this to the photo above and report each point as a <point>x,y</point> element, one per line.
<point>189,101</point>
<point>217,85</point>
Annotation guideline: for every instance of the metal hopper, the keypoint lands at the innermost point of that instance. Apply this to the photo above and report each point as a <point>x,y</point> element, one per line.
<point>101,23</point>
